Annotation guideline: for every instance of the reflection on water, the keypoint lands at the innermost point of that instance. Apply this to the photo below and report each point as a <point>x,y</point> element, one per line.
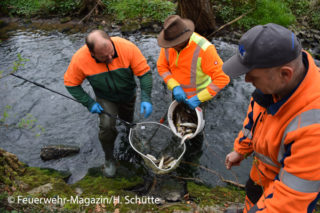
<point>69,123</point>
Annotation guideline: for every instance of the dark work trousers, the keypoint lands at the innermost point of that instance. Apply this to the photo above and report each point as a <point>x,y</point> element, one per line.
<point>107,125</point>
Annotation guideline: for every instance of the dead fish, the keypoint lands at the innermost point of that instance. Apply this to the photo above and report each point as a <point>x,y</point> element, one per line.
<point>151,157</point>
<point>185,138</point>
<point>161,163</point>
<point>171,164</point>
<point>189,125</point>
<point>168,160</point>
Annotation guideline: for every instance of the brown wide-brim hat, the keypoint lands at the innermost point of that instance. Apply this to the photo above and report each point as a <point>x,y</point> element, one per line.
<point>175,31</point>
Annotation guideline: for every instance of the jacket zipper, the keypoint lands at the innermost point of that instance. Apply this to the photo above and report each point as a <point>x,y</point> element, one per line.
<point>115,86</point>
<point>107,80</point>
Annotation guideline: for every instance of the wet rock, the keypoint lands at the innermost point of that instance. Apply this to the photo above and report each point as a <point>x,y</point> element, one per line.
<point>58,151</point>
<point>168,189</point>
<point>314,31</point>
<point>130,27</point>
<point>44,189</point>
<point>65,19</point>
<point>78,190</point>
<point>156,27</point>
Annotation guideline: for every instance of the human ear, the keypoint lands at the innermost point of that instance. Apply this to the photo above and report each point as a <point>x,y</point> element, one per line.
<point>286,73</point>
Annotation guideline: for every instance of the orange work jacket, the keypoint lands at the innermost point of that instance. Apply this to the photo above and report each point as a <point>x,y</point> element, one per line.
<point>285,139</point>
<point>196,67</point>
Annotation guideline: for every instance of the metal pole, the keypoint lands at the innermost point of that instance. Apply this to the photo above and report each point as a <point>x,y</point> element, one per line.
<point>44,87</point>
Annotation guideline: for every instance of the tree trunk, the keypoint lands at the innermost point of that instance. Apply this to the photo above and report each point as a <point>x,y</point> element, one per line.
<point>200,12</point>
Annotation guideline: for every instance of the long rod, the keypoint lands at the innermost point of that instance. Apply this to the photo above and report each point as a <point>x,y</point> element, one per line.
<point>44,87</point>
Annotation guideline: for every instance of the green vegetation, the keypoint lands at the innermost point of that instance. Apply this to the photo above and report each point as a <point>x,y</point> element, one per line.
<point>283,12</point>
<point>120,10</point>
<point>156,10</point>
<point>30,8</point>
<point>268,11</point>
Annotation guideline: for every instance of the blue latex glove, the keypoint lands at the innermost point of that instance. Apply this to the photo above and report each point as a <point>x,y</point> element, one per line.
<point>96,108</point>
<point>146,107</point>
<point>179,94</point>
<point>193,102</point>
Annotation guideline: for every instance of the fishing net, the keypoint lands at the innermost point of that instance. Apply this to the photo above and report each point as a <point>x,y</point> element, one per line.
<point>159,147</point>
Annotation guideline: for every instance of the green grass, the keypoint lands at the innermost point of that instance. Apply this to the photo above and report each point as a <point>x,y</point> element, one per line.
<point>262,12</point>
<point>31,8</point>
<point>156,10</point>
<point>269,11</point>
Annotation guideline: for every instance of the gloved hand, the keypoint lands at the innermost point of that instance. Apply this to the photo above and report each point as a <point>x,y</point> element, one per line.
<point>96,108</point>
<point>179,94</point>
<point>146,107</point>
<point>193,102</point>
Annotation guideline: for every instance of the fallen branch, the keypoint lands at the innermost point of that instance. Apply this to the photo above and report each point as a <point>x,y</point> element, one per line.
<point>241,186</point>
<point>231,22</point>
<point>186,178</point>
<point>99,3</point>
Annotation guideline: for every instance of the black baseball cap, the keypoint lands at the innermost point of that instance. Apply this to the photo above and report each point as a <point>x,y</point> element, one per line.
<point>263,46</point>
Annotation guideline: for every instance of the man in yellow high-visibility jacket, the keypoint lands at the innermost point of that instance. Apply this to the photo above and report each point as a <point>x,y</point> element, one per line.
<point>188,63</point>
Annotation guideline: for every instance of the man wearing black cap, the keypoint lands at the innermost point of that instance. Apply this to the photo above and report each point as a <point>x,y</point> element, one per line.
<point>188,63</point>
<point>282,127</point>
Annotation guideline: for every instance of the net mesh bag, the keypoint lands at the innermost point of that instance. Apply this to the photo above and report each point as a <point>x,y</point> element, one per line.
<point>160,149</point>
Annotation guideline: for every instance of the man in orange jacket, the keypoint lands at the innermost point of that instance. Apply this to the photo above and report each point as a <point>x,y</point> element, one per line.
<point>188,63</point>
<point>110,64</point>
<point>282,127</point>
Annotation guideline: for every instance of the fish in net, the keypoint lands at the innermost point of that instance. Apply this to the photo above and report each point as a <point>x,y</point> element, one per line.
<point>159,147</point>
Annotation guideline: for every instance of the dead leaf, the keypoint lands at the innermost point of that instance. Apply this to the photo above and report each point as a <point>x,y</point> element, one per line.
<point>98,208</point>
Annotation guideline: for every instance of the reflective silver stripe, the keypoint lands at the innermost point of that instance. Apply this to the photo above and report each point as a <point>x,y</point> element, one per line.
<point>246,133</point>
<point>265,159</point>
<point>304,119</point>
<point>193,69</point>
<point>214,87</point>
<point>298,184</point>
<point>166,53</point>
<point>164,75</point>
<point>191,93</point>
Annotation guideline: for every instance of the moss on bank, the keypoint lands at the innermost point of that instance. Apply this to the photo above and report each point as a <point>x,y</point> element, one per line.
<point>35,183</point>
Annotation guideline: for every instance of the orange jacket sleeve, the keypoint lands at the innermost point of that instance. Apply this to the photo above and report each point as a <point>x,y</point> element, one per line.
<point>242,143</point>
<point>138,63</point>
<point>212,66</point>
<point>163,66</point>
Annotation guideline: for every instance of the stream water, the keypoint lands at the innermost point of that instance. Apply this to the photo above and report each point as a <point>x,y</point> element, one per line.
<point>66,122</point>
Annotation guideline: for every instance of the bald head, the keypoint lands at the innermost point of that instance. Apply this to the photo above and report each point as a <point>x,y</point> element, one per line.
<point>100,46</point>
<point>96,38</point>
